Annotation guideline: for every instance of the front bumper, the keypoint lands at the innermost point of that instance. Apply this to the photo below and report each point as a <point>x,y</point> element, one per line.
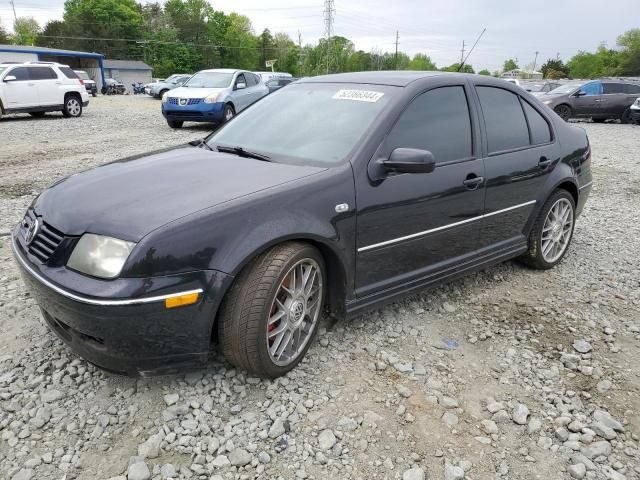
<point>132,335</point>
<point>199,112</point>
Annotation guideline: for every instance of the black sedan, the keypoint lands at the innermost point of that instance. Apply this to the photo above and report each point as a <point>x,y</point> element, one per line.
<point>330,196</point>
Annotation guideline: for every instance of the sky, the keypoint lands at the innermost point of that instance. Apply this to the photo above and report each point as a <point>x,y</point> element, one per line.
<point>515,29</point>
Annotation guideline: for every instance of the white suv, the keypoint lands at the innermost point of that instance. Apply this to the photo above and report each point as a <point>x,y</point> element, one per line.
<point>40,87</point>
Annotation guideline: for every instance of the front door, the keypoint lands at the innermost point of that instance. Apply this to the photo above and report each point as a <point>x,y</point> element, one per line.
<point>411,226</point>
<point>21,92</point>
<point>241,96</point>
<point>521,152</point>
<point>588,99</point>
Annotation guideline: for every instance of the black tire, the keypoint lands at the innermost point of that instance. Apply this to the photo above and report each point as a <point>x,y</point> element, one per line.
<point>72,106</point>
<point>626,116</point>
<point>174,123</point>
<point>598,120</point>
<point>94,94</point>
<point>564,111</point>
<point>534,257</point>
<point>243,320</point>
<point>229,113</point>
<point>37,114</point>
<point>161,94</point>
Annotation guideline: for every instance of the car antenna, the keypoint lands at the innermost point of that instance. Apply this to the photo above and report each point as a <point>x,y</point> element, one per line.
<point>474,46</point>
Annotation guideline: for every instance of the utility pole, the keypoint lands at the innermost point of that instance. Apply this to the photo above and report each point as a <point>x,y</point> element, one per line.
<point>15,17</point>
<point>535,61</point>
<point>396,57</point>
<point>300,62</point>
<point>329,14</point>
<point>558,56</point>
<point>462,53</point>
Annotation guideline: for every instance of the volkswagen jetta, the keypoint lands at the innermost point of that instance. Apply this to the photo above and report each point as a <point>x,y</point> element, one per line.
<point>327,197</point>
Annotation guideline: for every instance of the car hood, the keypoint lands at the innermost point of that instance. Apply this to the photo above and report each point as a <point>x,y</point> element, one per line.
<point>188,92</point>
<point>128,199</point>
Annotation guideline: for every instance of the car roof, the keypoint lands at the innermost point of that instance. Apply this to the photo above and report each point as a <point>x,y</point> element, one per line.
<point>224,70</point>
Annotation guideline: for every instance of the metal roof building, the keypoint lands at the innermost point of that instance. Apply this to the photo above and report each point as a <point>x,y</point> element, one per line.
<point>92,63</point>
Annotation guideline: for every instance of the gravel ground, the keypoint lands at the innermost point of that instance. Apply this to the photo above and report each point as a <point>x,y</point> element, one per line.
<point>506,374</point>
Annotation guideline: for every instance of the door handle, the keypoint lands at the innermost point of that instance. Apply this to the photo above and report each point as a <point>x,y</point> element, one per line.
<point>31,84</point>
<point>472,181</point>
<point>544,162</point>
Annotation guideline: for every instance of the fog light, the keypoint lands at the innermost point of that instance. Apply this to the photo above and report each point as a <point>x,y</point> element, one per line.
<point>181,300</point>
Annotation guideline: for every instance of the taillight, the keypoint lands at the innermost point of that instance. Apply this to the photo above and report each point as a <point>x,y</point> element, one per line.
<point>81,81</point>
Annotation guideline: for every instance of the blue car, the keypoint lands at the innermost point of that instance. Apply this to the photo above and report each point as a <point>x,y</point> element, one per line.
<point>213,96</point>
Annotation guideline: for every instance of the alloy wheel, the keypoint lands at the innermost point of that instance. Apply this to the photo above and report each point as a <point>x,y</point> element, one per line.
<point>563,111</point>
<point>73,107</point>
<point>557,229</point>
<point>228,114</point>
<point>294,312</point>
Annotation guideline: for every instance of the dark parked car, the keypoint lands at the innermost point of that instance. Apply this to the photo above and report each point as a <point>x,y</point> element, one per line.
<point>89,83</point>
<point>337,194</point>
<point>277,83</point>
<point>598,99</point>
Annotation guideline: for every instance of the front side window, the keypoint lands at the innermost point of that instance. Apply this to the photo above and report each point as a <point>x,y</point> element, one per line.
<point>240,79</point>
<point>280,125</point>
<point>21,73</point>
<point>609,88</point>
<point>504,119</point>
<point>209,80</point>
<point>251,79</point>
<point>437,121</point>
<point>592,88</point>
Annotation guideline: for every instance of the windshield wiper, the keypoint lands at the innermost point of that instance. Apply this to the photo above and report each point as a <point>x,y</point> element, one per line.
<point>243,153</point>
<point>201,143</point>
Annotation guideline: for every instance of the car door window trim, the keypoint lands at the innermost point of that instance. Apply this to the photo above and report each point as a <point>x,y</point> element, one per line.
<point>442,227</point>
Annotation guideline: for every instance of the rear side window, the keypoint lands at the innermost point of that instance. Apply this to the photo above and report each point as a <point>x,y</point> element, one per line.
<point>613,88</point>
<point>21,73</point>
<point>42,73</point>
<point>632,88</point>
<point>438,121</point>
<point>504,119</point>
<point>538,126</point>
<point>68,72</point>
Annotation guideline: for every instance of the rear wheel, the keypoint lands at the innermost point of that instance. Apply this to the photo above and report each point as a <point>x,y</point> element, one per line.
<point>174,123</point>
<point>72,106</point>
<point>626,116</point>
<point>563,111</point>
<point>37,114</point>
<point>271,313</point>
<point>552,232</point>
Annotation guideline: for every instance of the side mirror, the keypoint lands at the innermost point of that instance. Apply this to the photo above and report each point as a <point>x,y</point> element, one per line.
<point>410,160</point>
<point>10,78</point>
<point>580,93</point>
<point>240,85</point>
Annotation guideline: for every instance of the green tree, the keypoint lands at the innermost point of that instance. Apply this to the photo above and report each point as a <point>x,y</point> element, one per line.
<point>420,61</point>
<point>26,31</point>
<point>604,62</point>
<point>630,54</point>
<point>555,66</point>
<point>4,36</point>
<point>484,71</point>
<point>456,67</point>
<point>509,64</point>
<point>239,48</point>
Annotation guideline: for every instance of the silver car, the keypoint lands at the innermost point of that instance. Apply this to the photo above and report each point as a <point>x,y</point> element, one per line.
<point>213,96</point>
<point>158,89</point>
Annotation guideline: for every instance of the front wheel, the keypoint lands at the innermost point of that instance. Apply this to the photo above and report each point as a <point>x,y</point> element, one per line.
<point>229,113</point>
<point>271,313</point>
<point>174,123</point>
<point>552,232</point>
<point>563,111</point>
<point>72,107</point>
<point>626,116</point>
<point>94,94</point>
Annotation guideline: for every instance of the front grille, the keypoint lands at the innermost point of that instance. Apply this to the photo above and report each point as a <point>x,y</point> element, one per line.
<point>190,101</point>
<point>46,241</point>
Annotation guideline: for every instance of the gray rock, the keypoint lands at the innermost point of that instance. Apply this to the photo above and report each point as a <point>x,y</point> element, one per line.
<point>520,414</point>
<point>24,474</point>
<point>450,419</point>
<point>239,457</point>
<point>150,448</point>
<point>606,419</point>
<point>582,346</point>
<point>415,473</point>
<point>452,472</point>
<point>597,449</point>
<point>347,424</point>
<point>326,440</point>
<point>371,418</point>
<point>168,471</point>
<point>171,399</point>
<point>51,395</point>
<point>489,427</point>
<point>577,471</point>
<point>604,386</point>
<point>264,457</point>
<point>534,425</point>
<point>603,430</point>
<point>404,391</point>
<point>277,428</point>
<point>448,402</point>
<point>220,461</point>
<point>138,471</point>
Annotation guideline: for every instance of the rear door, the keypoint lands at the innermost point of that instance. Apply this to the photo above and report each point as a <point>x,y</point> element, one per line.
<point>47,83</point>
<point>21,92</point>
<point>589,104</point>
<point>614,99</point>
<point>520,154</point>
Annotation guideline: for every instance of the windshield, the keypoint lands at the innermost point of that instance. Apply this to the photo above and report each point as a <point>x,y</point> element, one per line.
<point>564,89</point>
<point>82,75</point>
<point>209,80</point>
<point>281,126</point>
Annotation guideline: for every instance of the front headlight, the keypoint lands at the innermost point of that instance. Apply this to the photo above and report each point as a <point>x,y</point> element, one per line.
<point>165,97</point>
<point>213,98</point>
<point>100,256</point>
